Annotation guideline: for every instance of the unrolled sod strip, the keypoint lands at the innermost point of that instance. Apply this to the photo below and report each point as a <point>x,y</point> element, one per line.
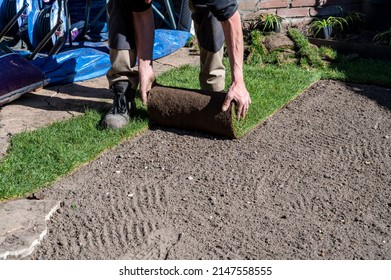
<point>190,109</point>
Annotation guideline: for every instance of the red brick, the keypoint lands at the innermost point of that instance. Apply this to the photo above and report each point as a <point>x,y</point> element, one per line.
<point>246,16</point>
<point>249,16</point>
<point>304,3</point>
<point>300,22</point>
<point>264,11</point>
<point>267,4</point>
<point>293,12</point>
<point>317,3</point>
<point>248,6</point>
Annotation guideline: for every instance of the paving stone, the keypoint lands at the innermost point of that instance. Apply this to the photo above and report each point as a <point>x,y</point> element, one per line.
<point>23,225</point>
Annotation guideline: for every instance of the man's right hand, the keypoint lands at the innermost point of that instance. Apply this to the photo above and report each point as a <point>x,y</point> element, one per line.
<point>147,79</point>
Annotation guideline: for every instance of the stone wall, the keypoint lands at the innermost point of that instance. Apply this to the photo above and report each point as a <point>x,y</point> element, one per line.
<point>297,12</point>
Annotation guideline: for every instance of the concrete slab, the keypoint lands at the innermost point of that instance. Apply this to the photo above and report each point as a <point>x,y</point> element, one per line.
<point>23,222</point>
<point>23,225</point>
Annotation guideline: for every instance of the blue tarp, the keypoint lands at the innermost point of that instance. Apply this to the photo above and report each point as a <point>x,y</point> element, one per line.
<point>73,65</point>
<point>80,61</point>
<point>80,64</point>
<point>167,41</point>
<point>83,59</point>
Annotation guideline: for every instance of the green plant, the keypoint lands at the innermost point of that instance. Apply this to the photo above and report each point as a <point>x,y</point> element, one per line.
<point>354,21</point>
<point>270,22</point>
<point>383,37</point>
<point>254,24</point>
<point>330,23</point>
<point>355,18</point>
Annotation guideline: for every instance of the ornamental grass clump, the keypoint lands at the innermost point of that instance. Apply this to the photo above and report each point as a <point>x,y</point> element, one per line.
<point>328,26</point>
<point>271,23</point>
<point>267,23</point>
<point>354,21</point>
<point>383,38</point>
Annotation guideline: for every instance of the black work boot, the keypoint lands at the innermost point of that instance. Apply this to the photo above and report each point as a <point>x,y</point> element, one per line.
<point>118,116</point>
<point>130,97</point>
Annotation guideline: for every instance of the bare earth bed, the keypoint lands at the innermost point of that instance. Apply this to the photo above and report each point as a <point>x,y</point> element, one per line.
<point>312,182</point>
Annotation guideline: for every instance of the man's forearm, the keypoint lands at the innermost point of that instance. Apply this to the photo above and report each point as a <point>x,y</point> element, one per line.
<point>234,40</point>
<point>144,36</point>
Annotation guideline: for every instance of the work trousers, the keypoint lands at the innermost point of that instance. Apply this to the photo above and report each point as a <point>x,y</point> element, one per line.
<point>123,52</point>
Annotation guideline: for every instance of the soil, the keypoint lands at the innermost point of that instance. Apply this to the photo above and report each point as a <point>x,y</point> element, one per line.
<point>312,182</point>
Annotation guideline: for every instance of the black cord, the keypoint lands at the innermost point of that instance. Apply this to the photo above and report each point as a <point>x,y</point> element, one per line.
<point>42,25</point>
<point>10,10</point>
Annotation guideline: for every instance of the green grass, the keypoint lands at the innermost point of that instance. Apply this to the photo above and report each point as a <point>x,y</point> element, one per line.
<point>39,157</point>
<point>364,71</point>
<point>36,159</point>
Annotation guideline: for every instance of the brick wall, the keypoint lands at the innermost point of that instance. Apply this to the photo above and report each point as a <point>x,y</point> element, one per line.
<point>297,12</point>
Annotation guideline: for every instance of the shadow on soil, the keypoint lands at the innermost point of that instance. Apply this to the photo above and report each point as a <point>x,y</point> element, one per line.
<point>71,97</point>
<point>183,132</point>
<point>381,95</point>
<point>371,78</point>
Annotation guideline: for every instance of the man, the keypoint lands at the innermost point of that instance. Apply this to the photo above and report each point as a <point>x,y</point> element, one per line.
<point>131,34</point>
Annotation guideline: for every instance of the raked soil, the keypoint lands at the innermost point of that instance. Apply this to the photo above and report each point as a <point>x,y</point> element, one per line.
<point>311,182</point>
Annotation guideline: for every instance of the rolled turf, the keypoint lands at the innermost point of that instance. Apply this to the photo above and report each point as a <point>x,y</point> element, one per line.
<point>191,109</point>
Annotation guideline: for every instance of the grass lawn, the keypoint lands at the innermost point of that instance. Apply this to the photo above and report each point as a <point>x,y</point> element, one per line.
<point>36,159</point>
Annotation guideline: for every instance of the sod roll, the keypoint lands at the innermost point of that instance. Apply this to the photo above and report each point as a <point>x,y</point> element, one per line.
<point>190,109</point>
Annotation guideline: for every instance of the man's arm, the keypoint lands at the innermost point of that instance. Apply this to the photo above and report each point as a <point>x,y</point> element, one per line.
<point>234,40</point>
<point>144,34</point>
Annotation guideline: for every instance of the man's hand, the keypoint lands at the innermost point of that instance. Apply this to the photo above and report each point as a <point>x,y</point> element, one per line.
<point>234,40</point>
<point>147,79</point>
<point>238,93</point>
<point>148,1</point>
